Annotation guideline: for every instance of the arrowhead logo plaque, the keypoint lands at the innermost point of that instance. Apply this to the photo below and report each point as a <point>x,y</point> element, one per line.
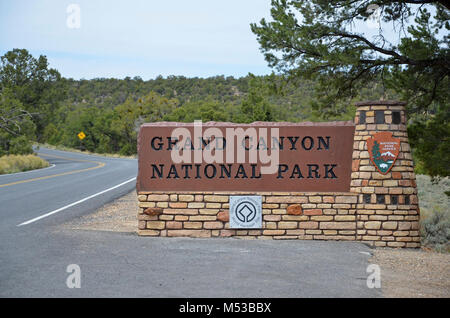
<point>383,151</point>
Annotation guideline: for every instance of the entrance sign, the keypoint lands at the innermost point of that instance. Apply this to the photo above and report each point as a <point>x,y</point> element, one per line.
<point>307,181</point>
<point>383,151</point>
<point>245,212</point>
<point>261,156</point>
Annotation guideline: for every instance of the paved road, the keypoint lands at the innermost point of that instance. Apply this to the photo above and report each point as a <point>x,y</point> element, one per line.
<point>34,256</point>
<point>74,177</point>
<point>124,265</point>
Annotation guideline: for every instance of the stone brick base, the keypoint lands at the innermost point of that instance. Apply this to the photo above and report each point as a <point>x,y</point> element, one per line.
<point>290,215</point>
<point>380,209</point>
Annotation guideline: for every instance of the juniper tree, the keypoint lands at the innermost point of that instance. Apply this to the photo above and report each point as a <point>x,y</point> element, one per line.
<point>323,41</point>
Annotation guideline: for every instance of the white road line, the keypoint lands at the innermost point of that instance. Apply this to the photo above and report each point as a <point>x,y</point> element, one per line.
<point>34,170</point>
<point>74,203</point>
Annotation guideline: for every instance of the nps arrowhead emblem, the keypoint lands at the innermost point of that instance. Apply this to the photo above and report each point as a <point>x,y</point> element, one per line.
<point>383,150</point>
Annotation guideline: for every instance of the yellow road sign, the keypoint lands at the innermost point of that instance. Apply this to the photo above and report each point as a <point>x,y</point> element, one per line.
<point>81,135</point>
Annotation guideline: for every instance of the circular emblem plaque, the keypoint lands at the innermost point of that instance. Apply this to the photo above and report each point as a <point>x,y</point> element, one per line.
<point>245,212</point>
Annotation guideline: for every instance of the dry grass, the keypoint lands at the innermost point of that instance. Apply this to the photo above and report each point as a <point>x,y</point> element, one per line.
<point>19,163</point>
<point>64,148</point>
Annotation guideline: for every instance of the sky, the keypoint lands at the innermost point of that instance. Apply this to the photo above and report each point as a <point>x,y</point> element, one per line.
<point>118,38</point>
<point>143,38</point>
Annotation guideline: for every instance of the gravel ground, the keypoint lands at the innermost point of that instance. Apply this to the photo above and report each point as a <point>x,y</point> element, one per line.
<point>413,273</point>
<point>404,272</point>
<point>117,216</point>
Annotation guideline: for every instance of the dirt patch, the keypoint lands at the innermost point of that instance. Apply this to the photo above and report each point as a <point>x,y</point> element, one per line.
<point>413,273</point>
<point>117,216</point>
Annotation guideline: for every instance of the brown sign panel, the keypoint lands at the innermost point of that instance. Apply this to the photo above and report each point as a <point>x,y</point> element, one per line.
<point>305,157</point>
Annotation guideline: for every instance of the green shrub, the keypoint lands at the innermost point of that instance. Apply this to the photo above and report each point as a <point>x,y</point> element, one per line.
<point>435,229</point>
<point>418,167</point>
<point>19,163</point>
<point>127,150</point>
<point>432,194</point>
<point>20,146</point>
<point>51,134</point>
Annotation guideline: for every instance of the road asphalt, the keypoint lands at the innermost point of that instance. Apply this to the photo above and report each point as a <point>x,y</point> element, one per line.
<point>74,176</point>
<point>35,251</point>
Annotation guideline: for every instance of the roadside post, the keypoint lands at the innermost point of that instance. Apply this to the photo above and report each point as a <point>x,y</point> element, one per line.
<point>81,135</point>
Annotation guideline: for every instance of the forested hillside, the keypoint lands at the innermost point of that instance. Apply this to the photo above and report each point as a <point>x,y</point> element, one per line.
<point>109,111</point>
<point>45,107</point>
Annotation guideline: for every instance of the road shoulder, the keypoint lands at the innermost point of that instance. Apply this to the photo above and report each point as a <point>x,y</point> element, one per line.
<point>119,215</point>
<point>413,272</point>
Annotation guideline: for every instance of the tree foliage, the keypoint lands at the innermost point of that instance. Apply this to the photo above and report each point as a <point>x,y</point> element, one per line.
<point>322,41</point>
<point>110,111</point>
<point>16,126</point>
<point>430,142</point>
<point>31,82</point>
<point>315,40</point>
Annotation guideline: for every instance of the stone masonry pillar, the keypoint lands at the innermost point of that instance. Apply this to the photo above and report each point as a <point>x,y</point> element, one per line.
<point>388,208</point>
